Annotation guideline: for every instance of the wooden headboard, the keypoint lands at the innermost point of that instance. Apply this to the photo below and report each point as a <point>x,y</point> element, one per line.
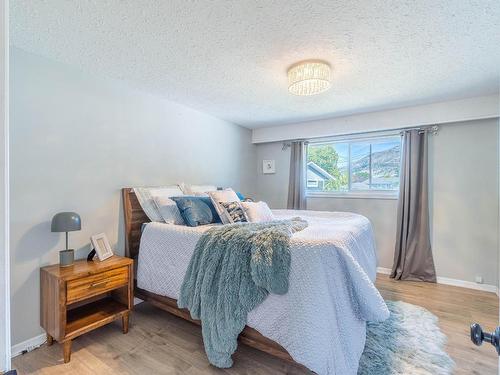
<point>134,218</point>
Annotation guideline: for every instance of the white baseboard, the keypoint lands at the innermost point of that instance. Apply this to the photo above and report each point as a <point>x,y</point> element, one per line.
<point>453,282</point>
<point>384,271</point>
<point>28,345</point>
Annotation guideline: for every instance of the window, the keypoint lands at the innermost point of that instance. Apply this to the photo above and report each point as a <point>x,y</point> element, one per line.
<point>364,166</point>
<point>312,183</point>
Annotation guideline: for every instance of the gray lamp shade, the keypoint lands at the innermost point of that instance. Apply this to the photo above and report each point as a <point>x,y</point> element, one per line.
<point>66,222</point>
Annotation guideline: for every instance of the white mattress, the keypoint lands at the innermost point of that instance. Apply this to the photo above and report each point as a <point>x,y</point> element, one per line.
<point>321,321</point>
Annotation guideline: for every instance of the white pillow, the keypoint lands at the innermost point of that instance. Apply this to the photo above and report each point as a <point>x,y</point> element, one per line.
<point>257,212</point>
<point>168,210</point>
<point>145,197</point>
<point>197,189</point>
<point>226,196</point>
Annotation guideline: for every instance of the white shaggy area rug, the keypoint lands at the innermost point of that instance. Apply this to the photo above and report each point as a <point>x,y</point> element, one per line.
<point>408,342</point>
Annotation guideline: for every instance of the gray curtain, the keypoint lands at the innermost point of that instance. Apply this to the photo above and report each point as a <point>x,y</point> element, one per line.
<point>413,254</point>
<point>297,183</point>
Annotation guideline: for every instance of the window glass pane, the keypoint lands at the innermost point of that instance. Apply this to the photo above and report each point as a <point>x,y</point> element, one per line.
<point>373,165</point>
<point>327,167</point>
<point>360,166</point>
<point>386,156</point>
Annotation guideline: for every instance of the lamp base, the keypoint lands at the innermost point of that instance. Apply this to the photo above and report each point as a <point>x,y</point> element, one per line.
<point>66,257</point>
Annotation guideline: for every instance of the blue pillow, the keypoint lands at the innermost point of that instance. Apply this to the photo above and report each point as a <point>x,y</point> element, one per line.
<point>196,210</point>
<point>209,203</point>
<point>241,196</point>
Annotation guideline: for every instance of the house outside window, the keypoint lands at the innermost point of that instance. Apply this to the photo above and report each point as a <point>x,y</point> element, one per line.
<point>354,167</point>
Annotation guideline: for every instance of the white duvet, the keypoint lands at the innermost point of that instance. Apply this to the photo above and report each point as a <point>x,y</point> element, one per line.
<point>321,321</point>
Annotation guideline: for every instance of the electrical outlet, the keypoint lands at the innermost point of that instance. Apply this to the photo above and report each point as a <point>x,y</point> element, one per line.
<point>479,279</point>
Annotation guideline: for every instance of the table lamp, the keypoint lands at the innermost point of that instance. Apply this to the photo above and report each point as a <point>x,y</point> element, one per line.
<point>66,222</point>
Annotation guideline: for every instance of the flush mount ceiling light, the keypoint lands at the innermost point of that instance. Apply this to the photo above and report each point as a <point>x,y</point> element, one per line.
<point>309,77</point>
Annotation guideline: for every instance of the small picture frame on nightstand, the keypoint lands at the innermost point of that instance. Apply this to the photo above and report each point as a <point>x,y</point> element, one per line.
<point>101,246</point>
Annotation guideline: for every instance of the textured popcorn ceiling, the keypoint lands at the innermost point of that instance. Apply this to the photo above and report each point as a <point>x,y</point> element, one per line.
<point>229,58</point>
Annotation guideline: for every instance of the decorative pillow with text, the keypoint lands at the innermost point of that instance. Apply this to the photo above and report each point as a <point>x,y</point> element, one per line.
<point>234,212</point>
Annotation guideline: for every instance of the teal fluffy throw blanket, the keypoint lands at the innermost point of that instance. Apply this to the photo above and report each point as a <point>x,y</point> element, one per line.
<point>232,270</point>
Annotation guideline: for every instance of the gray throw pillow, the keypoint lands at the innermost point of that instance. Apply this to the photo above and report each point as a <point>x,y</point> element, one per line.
<point>168,210</point>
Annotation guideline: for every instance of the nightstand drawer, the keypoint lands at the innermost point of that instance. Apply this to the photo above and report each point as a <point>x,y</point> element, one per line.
<point>89,286</point>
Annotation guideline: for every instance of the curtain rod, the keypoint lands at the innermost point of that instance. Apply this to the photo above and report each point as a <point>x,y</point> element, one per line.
<point>432,129</point>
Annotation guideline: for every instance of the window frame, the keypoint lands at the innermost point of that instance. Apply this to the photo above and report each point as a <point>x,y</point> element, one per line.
<point>313,181</point>
<point>356,194</point>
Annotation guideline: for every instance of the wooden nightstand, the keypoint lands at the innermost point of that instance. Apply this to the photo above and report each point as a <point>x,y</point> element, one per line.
<point>77,299</point>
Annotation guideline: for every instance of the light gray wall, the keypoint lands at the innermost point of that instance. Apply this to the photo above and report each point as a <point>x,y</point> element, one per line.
<point>463,161</point>
<point>464,200</point>
<point>76,140</point>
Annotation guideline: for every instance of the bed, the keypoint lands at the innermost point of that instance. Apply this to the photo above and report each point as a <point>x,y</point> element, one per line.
<point>321,321</point>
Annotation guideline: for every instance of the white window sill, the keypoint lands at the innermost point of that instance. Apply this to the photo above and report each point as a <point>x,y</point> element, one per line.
<point>350,195</point>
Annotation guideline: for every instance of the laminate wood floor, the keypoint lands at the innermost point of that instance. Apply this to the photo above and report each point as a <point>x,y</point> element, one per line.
<point>159,343</point>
